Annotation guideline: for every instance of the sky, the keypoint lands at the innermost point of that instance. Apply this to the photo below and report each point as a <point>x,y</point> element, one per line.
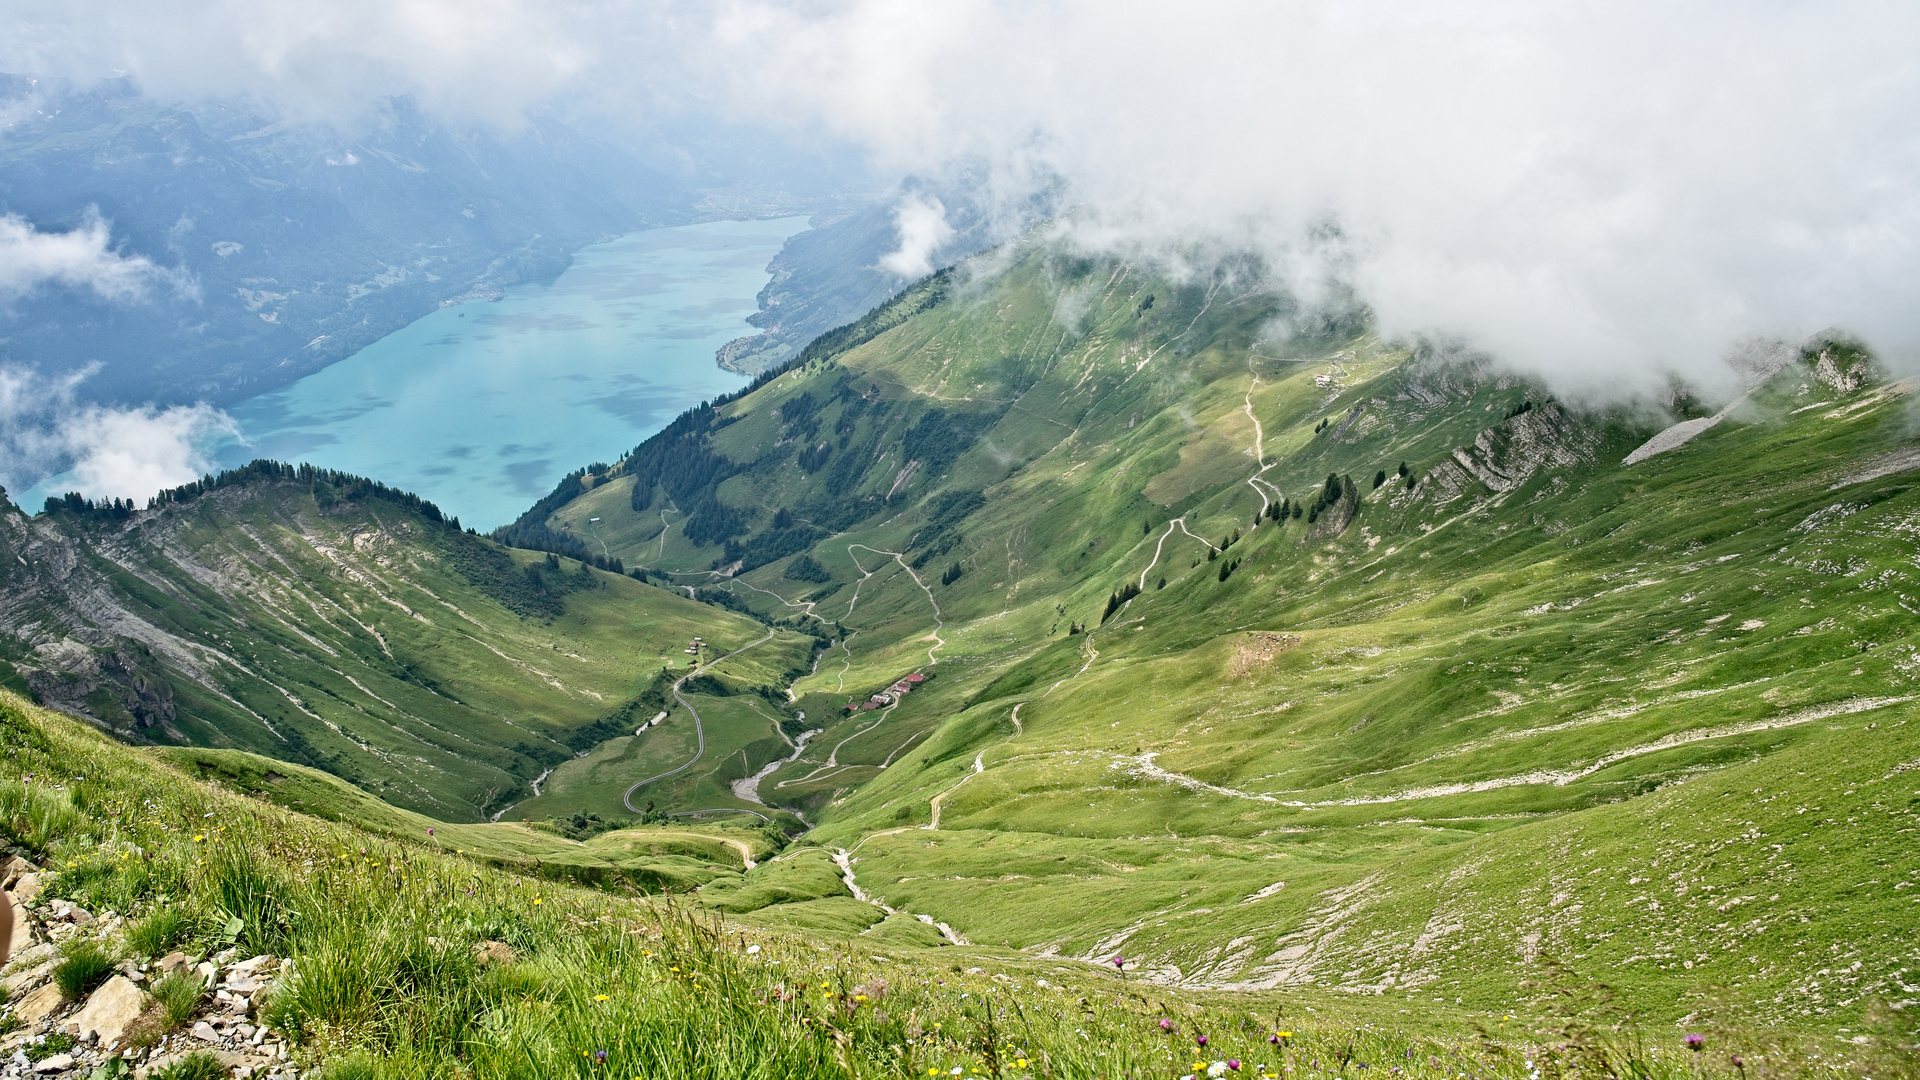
<point>1600,194</point>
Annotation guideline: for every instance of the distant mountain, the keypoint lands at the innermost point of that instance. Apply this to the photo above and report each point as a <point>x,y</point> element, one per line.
<point>303,243</point>
<point>831,274</point>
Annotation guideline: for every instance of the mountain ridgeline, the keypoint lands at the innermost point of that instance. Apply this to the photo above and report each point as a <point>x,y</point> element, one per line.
<point>1062,609</point>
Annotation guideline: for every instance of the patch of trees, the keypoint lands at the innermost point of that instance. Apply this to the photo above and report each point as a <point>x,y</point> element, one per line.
<point>709,685</point>
<point>583,826</point>
<point>1280,511</point>
<point>1227,569</point>
<point>74,504</point>
<point>942,436</point>
<point>1331,493</point>
<point>806,568</point>
<point>814,458</point>
<point>724,598</point>
<point>329,487</point>
<point>800,414</point>
<point>538,591</point>
<point>1118,597</point>
<point>1525,406</point>
<point>770,546</point>
<point>846,473</point>
<point>567,490</point>
<point>854,405</point>
<point>537,537</point>
<point>951,574</point>
<point>679,462</point>
<point>837,515</point>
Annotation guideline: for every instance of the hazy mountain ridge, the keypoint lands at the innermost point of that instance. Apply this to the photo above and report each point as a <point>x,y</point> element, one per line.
<point>834,272</point>
<point>302,243</point>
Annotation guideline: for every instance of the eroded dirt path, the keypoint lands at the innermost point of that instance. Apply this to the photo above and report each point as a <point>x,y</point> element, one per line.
<point>700,734</point>
<point>842,860</point>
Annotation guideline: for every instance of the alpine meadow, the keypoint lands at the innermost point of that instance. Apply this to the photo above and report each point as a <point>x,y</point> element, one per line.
<point>1065,669</point>
<point>1003,540</point>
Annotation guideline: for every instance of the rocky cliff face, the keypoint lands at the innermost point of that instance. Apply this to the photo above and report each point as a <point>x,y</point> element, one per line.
<point>1509,454</point>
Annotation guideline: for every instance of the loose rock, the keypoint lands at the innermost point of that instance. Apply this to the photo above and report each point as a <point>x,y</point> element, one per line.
<point>37,1005</point>
<point>493,952</point>
<point>22,981</point>
<point>113,1010</point>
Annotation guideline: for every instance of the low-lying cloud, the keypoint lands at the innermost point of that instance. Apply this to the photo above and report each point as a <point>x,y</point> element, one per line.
<point>1598,192</point>
<point>108,453</point>
<point>81,258</point>
<point>921,222</point>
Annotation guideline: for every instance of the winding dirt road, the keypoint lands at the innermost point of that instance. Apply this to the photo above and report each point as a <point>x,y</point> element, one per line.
<point>700,734</point>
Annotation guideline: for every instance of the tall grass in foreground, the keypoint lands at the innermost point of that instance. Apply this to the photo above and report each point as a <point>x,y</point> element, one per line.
<point>386,981</point>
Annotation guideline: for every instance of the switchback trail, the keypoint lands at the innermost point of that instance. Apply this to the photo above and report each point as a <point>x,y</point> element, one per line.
<point>700,735</point>
<point>1180,521</point>
<point>938,625</point>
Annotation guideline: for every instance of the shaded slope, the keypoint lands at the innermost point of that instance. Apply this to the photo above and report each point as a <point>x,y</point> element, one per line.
<point>290,617</point>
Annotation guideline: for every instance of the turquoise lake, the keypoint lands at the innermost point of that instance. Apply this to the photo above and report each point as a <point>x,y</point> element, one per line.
<point>483,407</point>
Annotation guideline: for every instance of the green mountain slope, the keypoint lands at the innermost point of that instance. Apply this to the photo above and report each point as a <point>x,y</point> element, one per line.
<point>385,957</point>
<point>1524,704</point>
<point>1166,625</point>
<point>346,627</point>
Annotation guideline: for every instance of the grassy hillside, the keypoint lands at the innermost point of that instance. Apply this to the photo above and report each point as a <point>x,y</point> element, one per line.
<point>406,961</point>
<point>1520,706</point>
<point>348,628</point>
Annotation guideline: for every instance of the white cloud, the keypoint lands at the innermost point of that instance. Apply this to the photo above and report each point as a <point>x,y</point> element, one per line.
<point>1599,191</point>
<point>83,258</point>
<point>921,222</point>
<point>475,59</point>
<point>133,453</point>
<point>107,452</point>
<point>1595,191</point>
